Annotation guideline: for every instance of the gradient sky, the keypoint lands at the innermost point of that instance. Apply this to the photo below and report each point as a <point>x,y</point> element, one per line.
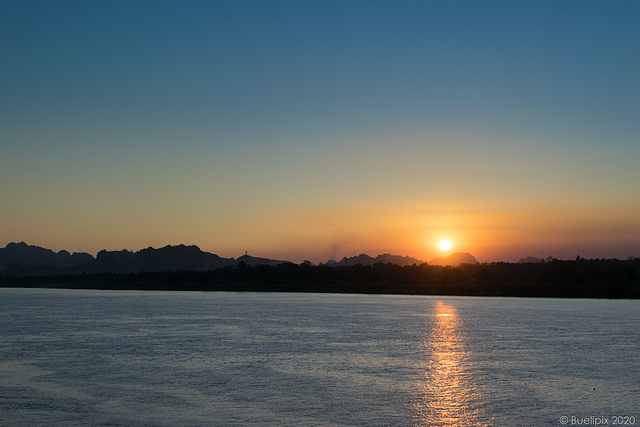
<point>321,129</point>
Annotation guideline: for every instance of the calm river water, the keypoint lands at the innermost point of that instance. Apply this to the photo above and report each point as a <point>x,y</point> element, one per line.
<point>112,358</point>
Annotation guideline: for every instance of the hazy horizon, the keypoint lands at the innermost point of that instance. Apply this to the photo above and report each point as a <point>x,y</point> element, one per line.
<point>319,130</point>
<point>443,254</point>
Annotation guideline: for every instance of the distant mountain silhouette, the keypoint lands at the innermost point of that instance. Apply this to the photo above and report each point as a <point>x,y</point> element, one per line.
<point>181,257</point>
<point>168,258</point>
<point>27,255</point>
<point>455,259</point>
<point>22,259</point>
<point>253,261</point>
<point>530,259</point>
<point>365,259</point>
<point>189,268</point>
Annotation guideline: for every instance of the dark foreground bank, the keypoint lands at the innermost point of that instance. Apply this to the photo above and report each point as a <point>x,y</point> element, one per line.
<point>569,279</point>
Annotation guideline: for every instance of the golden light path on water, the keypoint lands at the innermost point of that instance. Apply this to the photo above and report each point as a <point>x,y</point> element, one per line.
<point>448,394</point>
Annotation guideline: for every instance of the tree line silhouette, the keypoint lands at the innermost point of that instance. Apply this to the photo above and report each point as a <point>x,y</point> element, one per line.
<point>580,278</point>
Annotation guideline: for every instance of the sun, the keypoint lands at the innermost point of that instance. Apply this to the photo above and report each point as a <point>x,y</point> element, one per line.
<point>445,245</point>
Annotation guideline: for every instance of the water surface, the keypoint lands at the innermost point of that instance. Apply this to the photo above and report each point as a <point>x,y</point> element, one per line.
<point>80,357</point>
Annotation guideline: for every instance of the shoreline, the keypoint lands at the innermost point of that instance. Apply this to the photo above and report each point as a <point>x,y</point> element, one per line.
<point>446,281</point>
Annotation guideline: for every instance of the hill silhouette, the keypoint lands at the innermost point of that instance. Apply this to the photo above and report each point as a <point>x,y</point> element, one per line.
<point>365,259</point>
<point>255,261</point>
<point>189,268</point>
<point>23,259</point>
<point>530,259</point>
<point>167,258</point>
<point>455,259</point>
<point>28,255</point>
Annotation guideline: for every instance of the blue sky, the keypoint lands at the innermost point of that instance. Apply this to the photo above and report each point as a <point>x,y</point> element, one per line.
<point>294,128</point>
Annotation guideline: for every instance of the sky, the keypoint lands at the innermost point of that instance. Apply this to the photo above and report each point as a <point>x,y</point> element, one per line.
<point>322,129</point>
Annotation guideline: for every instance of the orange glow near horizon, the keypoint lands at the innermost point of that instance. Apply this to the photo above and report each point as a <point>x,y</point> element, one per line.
<point>497,232</point>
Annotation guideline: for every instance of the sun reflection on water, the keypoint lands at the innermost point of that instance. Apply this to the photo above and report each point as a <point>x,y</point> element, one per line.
<point>448,395</point>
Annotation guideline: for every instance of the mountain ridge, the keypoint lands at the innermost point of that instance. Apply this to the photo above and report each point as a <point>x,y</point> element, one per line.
<point>23,259</point>
<point>22,253</point>
<point>365,259</point>
<point>455,259</point>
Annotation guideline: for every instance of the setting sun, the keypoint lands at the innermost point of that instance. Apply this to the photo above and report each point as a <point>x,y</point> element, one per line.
<point>445,245</point>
